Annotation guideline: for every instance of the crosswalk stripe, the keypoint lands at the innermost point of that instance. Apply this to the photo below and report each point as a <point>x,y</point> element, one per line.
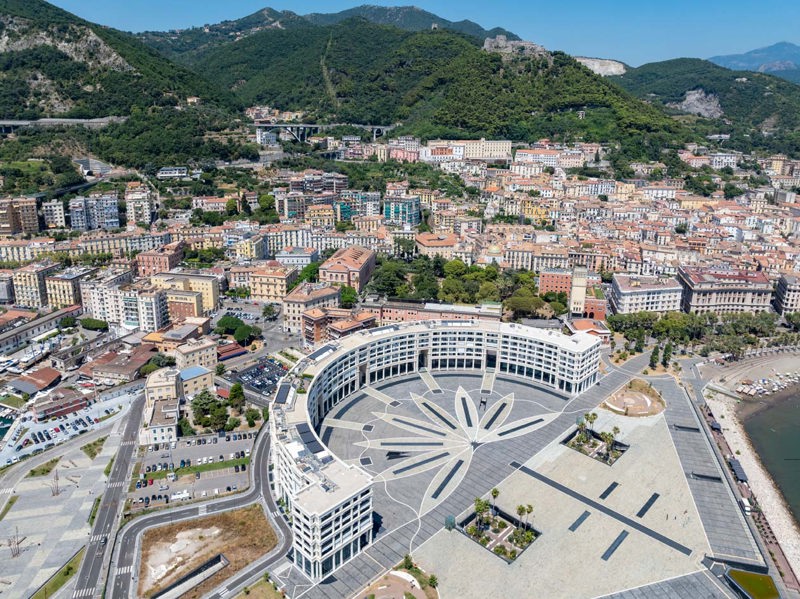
<point>82,593</point>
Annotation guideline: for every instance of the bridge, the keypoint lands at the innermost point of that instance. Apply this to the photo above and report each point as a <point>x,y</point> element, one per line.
<point>9,126</point>
<point>302,131</point>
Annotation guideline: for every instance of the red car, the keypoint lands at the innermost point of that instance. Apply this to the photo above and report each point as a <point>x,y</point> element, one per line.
<point>150,482</point>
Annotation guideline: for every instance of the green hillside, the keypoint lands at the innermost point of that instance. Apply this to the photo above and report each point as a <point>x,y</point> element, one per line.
<point>56,64</point>
<point>188,45</point>
<point>409,18</point>
<point>760,111</point>
<point>434,82</point>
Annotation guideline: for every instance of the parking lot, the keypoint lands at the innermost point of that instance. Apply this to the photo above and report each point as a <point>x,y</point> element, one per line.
<point>263,377</point>
<point>191,468</point>
<point>30,437</point>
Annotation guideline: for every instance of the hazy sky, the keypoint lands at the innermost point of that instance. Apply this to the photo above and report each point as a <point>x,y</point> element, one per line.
<point>634,31</point>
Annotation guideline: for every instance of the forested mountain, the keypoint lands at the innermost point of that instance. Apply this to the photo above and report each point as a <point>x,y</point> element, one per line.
<point>187,45</point>
<point>781,59</point>
<point>434,82</point>
<point>409,18</point>
<point>744,100</point>
<point>54,64</point>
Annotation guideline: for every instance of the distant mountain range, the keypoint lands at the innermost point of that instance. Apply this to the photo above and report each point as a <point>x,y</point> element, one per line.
<point>187,45</point>
<point>781,59</point>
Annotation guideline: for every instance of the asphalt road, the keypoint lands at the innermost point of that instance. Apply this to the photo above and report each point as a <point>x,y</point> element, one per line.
<point>106,520</point>
<point>121,580</point>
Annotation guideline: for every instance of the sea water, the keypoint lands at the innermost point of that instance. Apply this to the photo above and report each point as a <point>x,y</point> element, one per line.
<point>775,435</point>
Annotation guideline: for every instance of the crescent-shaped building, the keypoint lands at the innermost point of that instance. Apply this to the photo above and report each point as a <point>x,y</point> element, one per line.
<point>329,501</point>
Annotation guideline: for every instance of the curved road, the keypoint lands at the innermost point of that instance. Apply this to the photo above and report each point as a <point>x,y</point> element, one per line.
<point>128,540</point>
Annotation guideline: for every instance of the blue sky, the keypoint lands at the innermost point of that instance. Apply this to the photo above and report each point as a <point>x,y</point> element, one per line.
<point>635,31</point>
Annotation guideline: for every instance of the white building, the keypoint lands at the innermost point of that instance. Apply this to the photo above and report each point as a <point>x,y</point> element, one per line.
<point>330,502</point>
<point>633,293</point>
<point>787,294</point>
<point>54,217</point>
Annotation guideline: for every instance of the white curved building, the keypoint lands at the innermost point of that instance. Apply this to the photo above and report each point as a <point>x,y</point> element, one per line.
<point>330,502</point>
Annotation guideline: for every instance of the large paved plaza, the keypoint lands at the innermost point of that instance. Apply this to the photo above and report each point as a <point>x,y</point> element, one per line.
<point>639,528</point>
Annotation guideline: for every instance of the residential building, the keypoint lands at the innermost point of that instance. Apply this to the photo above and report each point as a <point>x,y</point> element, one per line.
<point>196,352</point>
<point>184,304</point>
<point>63,288</point>
<point>402,210</point>
<point>724,290</point>
<point>324,324</point>
<point>271,283</point>
<point>352,266</point>
<point>161,259</point>
<point>321,216</point>
<point>99,293</point>
<point>207,285</point>
<point>54,216</point>
<point>152,309</point>
<point>636,293</point>
<point>297,256</point>
<point>30,287</point>
<point>577,294</point>
<point>304,297</point>
<point>18,215</point>
<point>787,294</point>
<point>94,212</point>
<point>195,379</point>
<point>6,286</point>
<point>139,203</point>
<point>252,247</point>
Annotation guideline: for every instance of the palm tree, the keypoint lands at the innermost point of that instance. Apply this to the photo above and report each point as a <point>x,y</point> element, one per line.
<point>590,418</point>
<point>520,511</point>
<point>481,507</point>
<point>614,433</point>
<point>528,511</point>
<point>495,493</point>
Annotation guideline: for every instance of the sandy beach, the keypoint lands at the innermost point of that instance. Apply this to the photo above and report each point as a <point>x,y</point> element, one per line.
<point>729,413</point>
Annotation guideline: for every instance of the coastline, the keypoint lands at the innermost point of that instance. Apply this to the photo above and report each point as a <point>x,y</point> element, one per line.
<point>731,414</point>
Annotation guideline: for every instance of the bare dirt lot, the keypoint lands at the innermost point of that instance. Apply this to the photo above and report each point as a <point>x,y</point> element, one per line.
<point>172,551</point>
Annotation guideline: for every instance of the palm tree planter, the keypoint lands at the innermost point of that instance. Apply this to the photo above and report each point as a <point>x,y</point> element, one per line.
<point>601,446</point>
<point>512,537</point>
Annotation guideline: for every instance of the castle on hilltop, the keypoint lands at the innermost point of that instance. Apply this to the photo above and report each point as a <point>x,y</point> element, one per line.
<point>502,45</point>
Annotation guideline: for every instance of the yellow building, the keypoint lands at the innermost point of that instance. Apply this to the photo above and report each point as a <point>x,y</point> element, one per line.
<point>206,285</point>
<point>271,284</point>
<point>63,289</point>
<point>30,288</point>
<point>252,248</point>
<point>321,216</point>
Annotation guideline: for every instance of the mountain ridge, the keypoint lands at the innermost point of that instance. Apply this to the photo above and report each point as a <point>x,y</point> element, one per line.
<point>781,59</point>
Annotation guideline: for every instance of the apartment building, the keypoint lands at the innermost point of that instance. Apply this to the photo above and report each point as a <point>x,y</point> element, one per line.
<point>297,257</point>
<point>358,203</point>
<point>63,288</point>
<point>196,352</point>
<point>98,293</point>
<point>330,324</point>
<point>787,294</point>
<point>94,212</point>
<point>389,312</point>
<point>271,283</point>
<point>53,213</point>
<point>304,297</point>
<point>635,293</point>
<point>724,290</point>
<point>352,266</point>
<point>206,285</point>
<point>321,216</point>
<point>18,216</point>
<point>30,287</point>
<point>184,304</point>
<point>139,202</point>
<point>163,259</point>
<point>253,247</point>
<point>402,210</point>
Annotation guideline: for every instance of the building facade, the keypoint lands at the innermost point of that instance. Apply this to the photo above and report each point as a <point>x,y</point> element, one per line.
<point>787,294</point>
<point>635,293</point>
<point>724,290</point>
<point>305,297</point>
<point>352,266</point>
<point>30,287</point>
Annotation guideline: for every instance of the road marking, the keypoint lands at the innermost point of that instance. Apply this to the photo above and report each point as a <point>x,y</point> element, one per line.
<point>224,592</point>
<point>96,538</point>
<point>203,509</point>
<point>8,490</point>
<point>127,443</point>
<point>83,593</point>
<point>117,484</point>
<point>124,570</point>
